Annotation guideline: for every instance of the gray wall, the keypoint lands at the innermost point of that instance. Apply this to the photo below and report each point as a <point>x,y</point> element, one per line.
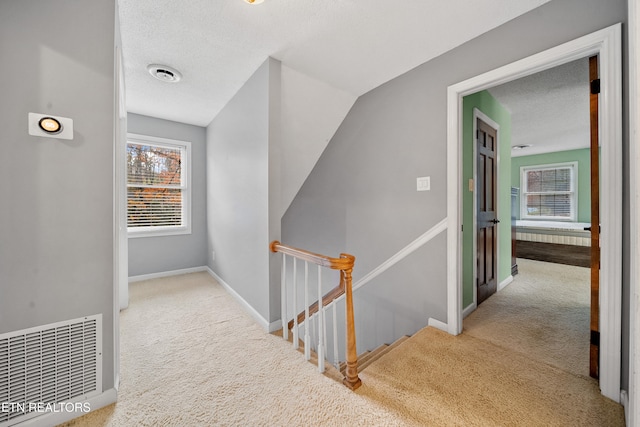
<point>243,189</point>
<point>167,253</point>
<point>56,215</point>
<point>361,198</point>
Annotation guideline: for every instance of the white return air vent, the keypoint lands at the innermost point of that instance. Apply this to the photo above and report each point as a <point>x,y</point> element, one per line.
<point>42,367</point>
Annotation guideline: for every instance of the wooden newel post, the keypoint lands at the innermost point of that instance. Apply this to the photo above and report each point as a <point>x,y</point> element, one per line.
<point>351,378</point>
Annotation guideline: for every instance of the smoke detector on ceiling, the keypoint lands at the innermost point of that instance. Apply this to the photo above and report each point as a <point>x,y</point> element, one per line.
<point>164,73</point>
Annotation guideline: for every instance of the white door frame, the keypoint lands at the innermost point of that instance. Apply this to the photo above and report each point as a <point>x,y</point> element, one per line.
<point>632,402</point>
<point>607,44</point>
<point>120,241</point>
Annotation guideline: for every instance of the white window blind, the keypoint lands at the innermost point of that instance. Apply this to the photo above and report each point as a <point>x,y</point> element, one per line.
<point>549,192</point>
<point>157,186</point>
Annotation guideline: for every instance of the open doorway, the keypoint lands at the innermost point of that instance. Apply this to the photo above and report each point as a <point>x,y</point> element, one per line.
<point>605,44</point>
<point>543,314</point>
<point>543,205</point>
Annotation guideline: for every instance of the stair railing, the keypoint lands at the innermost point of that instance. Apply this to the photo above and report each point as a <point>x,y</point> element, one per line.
<point>344,264</point>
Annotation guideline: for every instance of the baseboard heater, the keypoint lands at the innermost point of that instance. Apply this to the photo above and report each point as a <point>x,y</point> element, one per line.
<point>49,367</point>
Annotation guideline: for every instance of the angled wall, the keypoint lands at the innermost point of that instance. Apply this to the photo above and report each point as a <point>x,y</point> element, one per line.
<point>311,113</point>
<point>260,149</point>
<point>361,196</point>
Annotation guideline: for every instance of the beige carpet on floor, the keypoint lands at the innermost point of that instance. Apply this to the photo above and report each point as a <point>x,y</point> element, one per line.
<point>435,379</point>
<point>544,313</point>
<point>192,357</point>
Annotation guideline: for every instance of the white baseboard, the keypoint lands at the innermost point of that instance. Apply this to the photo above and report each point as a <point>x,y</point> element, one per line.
<point>470,308</point>
<point>54,418</point>
<point>504,283</point>
<point>269,327</point>
<point>166,274</point>
<point>624,400</point>
<point>438,324</point>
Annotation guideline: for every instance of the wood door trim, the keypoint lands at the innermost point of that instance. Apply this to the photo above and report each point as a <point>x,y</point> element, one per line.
<point>594,347</point>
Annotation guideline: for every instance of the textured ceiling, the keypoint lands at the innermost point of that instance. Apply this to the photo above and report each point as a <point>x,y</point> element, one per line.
<point>549,110</point>
<point>353,45</point>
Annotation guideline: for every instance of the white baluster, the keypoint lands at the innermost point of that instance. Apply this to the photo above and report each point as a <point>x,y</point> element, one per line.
<point>336,362</point>
<point>313,331</point>
<point>283,298</point>
<point>295,304</point>
<point>307,339</point>
<point>320,324</point>
<point>324,329</point>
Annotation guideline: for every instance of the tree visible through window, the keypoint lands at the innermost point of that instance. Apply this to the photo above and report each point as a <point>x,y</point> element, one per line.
<point>156,187</point>
<point>548,192</point>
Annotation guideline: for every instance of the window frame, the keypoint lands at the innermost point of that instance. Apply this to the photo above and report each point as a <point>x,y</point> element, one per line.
<point>185,163</point>
<point>573,166</point>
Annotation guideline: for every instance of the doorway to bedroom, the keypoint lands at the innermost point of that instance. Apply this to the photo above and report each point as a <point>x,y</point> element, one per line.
<point>607,45</point>
<point>539,201</point>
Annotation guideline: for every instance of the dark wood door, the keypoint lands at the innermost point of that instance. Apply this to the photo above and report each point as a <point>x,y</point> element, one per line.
<point>594,351</point>
<point>486,198</point>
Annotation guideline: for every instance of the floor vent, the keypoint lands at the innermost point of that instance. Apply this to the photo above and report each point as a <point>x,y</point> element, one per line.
<point>45,368</point>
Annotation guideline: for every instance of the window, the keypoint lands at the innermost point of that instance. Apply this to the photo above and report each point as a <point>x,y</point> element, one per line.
<point>549,192</point>
<point>158,186</point>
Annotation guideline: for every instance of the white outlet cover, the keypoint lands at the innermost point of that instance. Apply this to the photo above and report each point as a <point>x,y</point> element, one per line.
<point>423,183</point>
<point>65,133</point>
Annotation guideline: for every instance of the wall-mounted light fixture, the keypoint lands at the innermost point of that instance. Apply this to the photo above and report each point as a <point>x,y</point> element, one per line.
<point>254,1</point>
<point>46,125</point>
<point>50,125</point>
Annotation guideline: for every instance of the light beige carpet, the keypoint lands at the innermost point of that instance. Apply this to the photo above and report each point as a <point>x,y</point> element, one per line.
<point>192,357</point>
<point>435,379</point>
<point>543,313</point>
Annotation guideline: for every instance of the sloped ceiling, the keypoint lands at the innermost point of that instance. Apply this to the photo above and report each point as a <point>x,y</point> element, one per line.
<point>549,110</point>
<point>351,45</point>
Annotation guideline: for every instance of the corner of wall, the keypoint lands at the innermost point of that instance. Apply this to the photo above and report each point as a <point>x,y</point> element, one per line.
<point>275,182</point>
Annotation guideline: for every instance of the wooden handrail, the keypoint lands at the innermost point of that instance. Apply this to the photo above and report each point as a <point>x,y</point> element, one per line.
<point>344,262</point>
<point>326,299</point>
<point>345,265</point>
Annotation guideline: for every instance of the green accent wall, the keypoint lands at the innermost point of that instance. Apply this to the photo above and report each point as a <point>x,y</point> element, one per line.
<point>488,105</point>
<point>581,156</point>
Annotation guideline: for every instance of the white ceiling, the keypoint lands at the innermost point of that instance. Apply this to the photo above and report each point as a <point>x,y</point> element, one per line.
<point>353,45</point>
<point>549,110</point>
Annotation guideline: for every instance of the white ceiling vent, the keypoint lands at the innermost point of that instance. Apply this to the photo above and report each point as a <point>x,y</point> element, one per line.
<point>164,73</point>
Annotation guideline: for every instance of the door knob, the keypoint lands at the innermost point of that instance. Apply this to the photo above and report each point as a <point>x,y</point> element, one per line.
<point>495,221</point>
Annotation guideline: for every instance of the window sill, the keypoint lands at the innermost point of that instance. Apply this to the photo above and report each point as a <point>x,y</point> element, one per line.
<point>548,218</point>
<point>133,233</point>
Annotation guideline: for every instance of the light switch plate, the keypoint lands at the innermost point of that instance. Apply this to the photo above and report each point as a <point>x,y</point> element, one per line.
<point>423,183</point>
